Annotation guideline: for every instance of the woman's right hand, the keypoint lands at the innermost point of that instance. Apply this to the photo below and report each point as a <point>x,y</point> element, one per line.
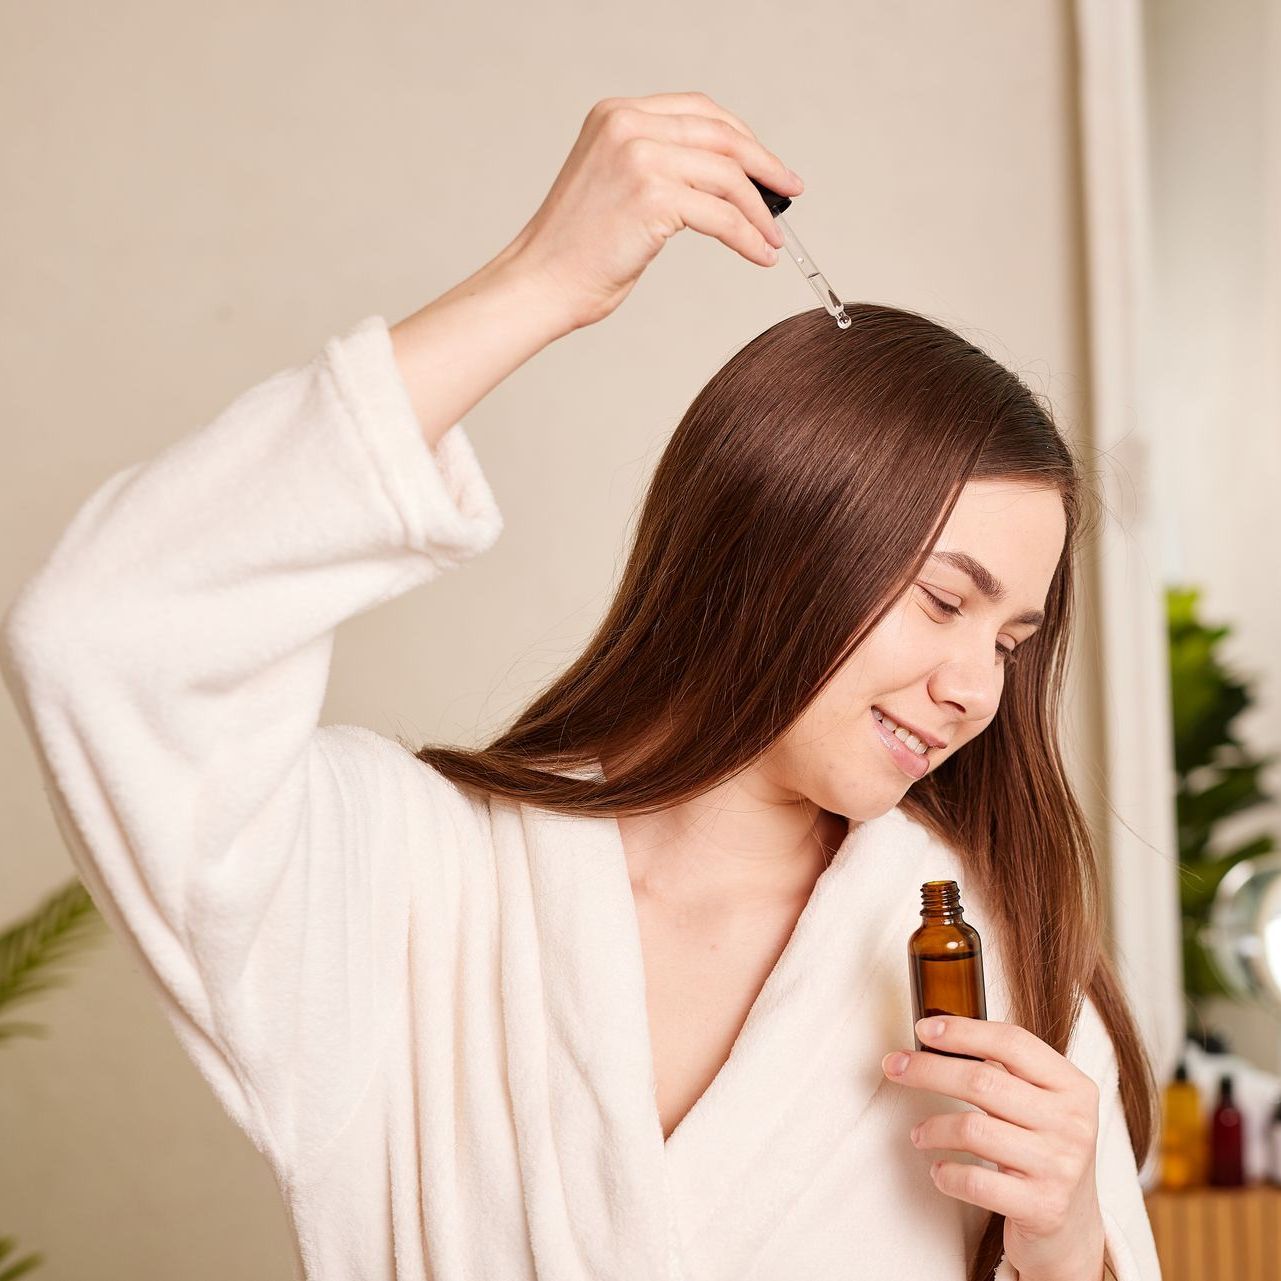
<point>641,170</point>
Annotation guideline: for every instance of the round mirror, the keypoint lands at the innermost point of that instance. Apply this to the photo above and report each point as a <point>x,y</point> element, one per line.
<point>1244,933</point>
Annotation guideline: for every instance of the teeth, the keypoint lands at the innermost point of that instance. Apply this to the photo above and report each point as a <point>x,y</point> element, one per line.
<point>904,736</point>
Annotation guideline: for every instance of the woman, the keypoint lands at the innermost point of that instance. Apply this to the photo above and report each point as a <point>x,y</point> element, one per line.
<point>614,996</point>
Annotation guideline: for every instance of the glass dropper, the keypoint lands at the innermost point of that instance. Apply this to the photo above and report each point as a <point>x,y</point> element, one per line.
<point>776,203</point>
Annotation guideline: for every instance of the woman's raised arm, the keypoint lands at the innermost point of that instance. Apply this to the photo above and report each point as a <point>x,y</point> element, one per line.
<point>170,657</point>
<point>641,170</point>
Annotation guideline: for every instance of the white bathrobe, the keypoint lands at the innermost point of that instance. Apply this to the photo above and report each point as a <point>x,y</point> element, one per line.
<point>427,1012</point>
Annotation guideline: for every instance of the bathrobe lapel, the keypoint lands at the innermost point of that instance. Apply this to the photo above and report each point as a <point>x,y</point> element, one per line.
<point>800,1075</point>
<point>588,1137</point>
<point>788,1104</point>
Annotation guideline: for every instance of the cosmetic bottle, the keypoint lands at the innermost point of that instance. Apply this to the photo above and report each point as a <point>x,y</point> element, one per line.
<point>1227,1141</point>
<point>1183,1138</point>
<point>945,962</point>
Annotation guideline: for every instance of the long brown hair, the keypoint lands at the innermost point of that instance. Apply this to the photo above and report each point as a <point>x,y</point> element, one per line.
<point>795,503</point>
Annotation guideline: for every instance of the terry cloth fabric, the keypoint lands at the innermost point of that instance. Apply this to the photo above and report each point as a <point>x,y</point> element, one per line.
<point>426,1010</point>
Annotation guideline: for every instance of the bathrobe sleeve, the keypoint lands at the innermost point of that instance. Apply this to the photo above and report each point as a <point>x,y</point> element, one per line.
<point>1129,1245</point>
<point>169,661</point>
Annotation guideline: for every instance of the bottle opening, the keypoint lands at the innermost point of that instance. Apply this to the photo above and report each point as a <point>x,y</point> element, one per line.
<point>940,897</point>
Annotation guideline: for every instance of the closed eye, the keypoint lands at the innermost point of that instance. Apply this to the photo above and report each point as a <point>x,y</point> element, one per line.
<point>1007,653</point>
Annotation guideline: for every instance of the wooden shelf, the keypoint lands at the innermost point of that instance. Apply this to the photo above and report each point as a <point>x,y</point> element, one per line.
<point>1217,1234</point>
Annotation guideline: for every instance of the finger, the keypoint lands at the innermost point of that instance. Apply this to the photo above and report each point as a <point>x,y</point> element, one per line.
<point>1007,1194</point>
<point>713,136</point>
<point>696,103</point>
<point>723,177</point>
<point>989,1138</point>
<point>1021,1051</point>
<point>725,222</point>
<point>998,1093</point>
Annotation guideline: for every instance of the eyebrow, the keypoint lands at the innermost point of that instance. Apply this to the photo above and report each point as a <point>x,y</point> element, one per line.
<point>986,582</point>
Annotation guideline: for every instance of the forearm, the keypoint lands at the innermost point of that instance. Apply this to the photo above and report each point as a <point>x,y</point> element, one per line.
<point>455,350</point>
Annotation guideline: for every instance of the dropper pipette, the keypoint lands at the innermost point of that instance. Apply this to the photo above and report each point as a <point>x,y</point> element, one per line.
<point>776,203</point>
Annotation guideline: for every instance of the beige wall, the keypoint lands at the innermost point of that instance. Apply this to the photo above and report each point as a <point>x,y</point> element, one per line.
<point>1216,186</point>
<point>200,195</point>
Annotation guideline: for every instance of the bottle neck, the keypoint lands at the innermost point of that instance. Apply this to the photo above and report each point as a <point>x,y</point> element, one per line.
<point>941,901</point>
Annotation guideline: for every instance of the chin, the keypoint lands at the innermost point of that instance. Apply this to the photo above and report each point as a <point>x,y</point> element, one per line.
<point>867,808</point>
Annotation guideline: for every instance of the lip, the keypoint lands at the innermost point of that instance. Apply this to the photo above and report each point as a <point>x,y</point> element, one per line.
<point>907,760</point>
<point>928,739</point>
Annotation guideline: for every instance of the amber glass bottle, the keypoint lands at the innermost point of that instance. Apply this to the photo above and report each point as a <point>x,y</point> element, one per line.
<point>945,962</point>
<point>1183,1133</point>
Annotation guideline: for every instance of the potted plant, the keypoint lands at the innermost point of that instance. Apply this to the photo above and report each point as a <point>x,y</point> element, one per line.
<point>1217,778</point>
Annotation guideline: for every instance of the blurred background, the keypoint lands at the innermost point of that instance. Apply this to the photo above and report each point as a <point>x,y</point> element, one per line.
<point>196,197</point>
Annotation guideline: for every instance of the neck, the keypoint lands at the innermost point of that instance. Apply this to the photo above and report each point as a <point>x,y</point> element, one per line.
<point>738,845</point>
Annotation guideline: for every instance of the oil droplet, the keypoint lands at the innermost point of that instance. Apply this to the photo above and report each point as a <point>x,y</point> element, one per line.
<point>842,320</point>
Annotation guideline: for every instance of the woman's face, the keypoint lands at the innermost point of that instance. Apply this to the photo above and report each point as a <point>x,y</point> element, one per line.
<point>923,666</point>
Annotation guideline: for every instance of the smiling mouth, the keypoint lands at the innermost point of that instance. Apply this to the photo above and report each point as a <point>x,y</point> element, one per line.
<point>914,765</point>
<point>882,716</point>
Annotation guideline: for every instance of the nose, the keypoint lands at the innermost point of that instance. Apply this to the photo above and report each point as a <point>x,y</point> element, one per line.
<point>970,682</point>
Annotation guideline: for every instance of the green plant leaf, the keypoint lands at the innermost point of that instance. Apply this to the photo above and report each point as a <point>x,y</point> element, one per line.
<point>8,1030</point>
<point>18,1267</point>
<point>1201,977</point>
<point>1198,885</point>
<point>47,937</point>
<point>28,949</point>
<point>1236,787</point>
<point>1205,697</point>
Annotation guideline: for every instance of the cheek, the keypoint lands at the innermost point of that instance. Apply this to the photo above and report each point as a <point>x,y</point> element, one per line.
<point>903,640</point>
<point>827,731</point>
<point>890,659</point>
<point>846,735</point>
<point>824,720</point>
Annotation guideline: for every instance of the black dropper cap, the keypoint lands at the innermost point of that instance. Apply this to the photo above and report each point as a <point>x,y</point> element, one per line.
<point>774,202</point>
<point>1181,1072</point>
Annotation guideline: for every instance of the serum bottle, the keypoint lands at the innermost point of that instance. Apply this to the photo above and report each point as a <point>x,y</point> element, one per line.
<point>945,962</point>
<point>1227,1139</point>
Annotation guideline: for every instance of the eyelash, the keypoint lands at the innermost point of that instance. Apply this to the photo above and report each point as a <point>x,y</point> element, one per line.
<point>1008,655</point>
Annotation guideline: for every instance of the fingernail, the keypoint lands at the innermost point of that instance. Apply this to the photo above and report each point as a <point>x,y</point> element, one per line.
<point>916,1133</point>
<point>796,177</point>
<point>930,1029</point>
<point>894,1063</point>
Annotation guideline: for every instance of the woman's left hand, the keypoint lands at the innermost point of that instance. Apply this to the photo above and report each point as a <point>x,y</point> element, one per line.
<point>1039,1126</point>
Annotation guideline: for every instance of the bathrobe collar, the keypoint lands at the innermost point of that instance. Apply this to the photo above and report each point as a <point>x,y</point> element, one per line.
<point>803,1069</point>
